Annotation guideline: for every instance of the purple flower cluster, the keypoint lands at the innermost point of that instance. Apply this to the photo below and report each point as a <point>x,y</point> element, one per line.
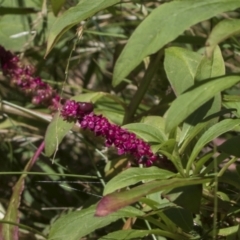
<point>114,135</point>
<point>41,93</point>
<point>22,78</point>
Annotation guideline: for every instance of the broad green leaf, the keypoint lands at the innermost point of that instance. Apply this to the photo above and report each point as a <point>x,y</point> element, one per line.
<point>58,128</point>
<point>155,121</point>
<point>180,216</point>
<point>14,31</point>
<point>159,123</point>
<point>181,66</point>
<point>212,66</point>
<point>95,96</point>
<point>114,201</point>
<point>213,132</point>
<point>233,105</point>
<point>73,16</point>
<point>191,134</point>
<point>229,231</point>
<point>140,234</point>
<point>168,146</point>
<point>147,132</point>
<point>76,225</point>
<point>188,102</point>
<point>159,28</point>
<point>188,197</point>
<point>113,116</point>
<point>208,68</point>
<point>231,179</point>
<point>55,133</point>
<point>88,97</point>
<point>134,175</point>
<point>231,146</point>
<point>223,30</point>
<point>57,5</point>
<point>197,118</point>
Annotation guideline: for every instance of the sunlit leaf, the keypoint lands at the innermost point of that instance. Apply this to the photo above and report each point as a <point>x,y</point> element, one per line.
<point>56,6</point>
<point>207,68</point>
<point>73,16</point>
<point>76,225</point>
<point>181,67</point>
<point>55,133</point>
<point>213,132</point>
<point>223,30</point>
<point>147,132</point>
<point>114,201</point>
<point>188,102</point>
<point>134,175</point>
<point>159,28</point>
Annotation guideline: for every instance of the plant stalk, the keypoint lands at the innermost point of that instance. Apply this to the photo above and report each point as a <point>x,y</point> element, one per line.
<point>143,87</point>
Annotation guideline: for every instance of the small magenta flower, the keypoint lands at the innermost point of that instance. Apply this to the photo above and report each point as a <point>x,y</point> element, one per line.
<point>22,77</point>
<point>122,139</point>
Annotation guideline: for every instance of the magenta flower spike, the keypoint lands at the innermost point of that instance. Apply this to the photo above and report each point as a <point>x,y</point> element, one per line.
<point>122,139</point>
<point>23,78</point>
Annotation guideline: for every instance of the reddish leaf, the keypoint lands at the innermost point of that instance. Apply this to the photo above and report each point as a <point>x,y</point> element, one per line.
<point>114,201</point>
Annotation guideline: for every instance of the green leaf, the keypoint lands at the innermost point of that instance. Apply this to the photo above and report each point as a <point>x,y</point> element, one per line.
<point>223,30</point>
<point>168,146</point>
<point>213,132</point>
<point>231,146</point>
<point>188,197</point>
<point>140,234</point>
<point>186,63</point>
<point>126,234</point>
<point>233,105</point>
<point>95,96</point>
<point>229,231</point>
<point>159,123</point>
<point>88,97</point>
<point>159,28</point>
<point>55,133</point>
<point>208,68</point>
<point>114,201</point>
<point>73,16</point>
<point>76,225</point>
<point>134,175</point>
<point>188,102</point>
<point>147,132</point>
<point>14,31</point>
<point>58,128</point>
<point>57,5</point>
<point>212,66</point>
<point>181,217</point>
<point>113,116</point>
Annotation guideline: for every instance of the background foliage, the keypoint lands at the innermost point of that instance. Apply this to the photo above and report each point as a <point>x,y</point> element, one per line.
<point>167,71</point>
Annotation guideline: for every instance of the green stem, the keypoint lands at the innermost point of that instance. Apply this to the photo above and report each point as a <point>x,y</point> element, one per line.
<point>143,87</point>
<point>48,174</point>
<point>226,166</point>
<point>30,229</point>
